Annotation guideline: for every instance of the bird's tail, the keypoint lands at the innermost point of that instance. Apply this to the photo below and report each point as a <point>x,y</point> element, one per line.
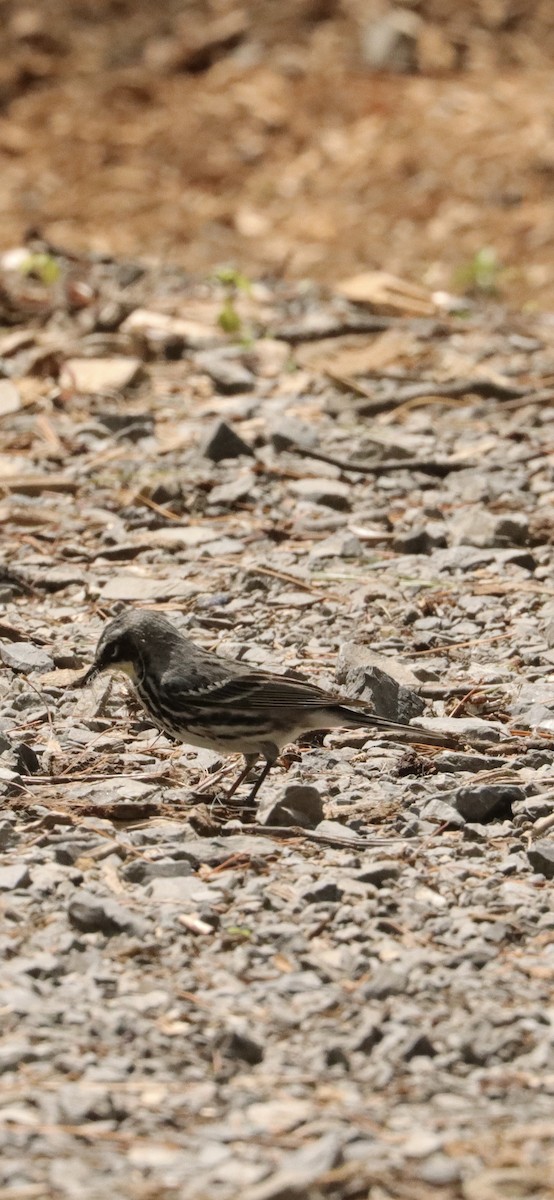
<point>407,733</point>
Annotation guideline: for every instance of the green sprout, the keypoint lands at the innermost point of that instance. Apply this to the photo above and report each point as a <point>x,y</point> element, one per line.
<point>482,274</point>
<point>43,267</point>
<point>234,282</point>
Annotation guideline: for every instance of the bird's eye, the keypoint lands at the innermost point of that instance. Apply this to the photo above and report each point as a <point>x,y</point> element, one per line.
<point>112,651</point>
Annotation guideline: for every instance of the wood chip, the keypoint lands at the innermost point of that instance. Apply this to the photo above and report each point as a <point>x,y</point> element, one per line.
<point>386,293</point>
<point>92,375</point>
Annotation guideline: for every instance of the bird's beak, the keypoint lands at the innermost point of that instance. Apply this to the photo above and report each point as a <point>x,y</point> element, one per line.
<point>88,677</point>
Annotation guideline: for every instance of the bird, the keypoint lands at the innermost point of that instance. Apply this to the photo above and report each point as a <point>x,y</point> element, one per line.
<point>203,699</point>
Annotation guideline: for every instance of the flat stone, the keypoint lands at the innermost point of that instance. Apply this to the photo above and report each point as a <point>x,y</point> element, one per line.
<point>385,683</point>
<point>126,799</point>
<point>479,804</point>
<point>8,836</point>
<point>354,657</point>
<point>176,537</point>
<point>457,761</point>
<point>187,891</point>
<point>130,586</point>
<point>300,804</point>
<point>338,545</point>
<point>92,375</point>
<point>229,375</point>
<point>438,809</point>
<point>439,1170</point>
<point>223,546</point>
<point>474,729</point>
<point>321,890</point>
<point>234,490</point>
<point>420,540</point>
<point>159,329</point>
<point>142,871</point>
<point>131,425</point>
<point>25,656</point>
<point>379,872</point>
<point>95,914</point>
<point>331,492</point>
<point>10,401</point>
<point>291,600</point>
<point>334,829</point>
<point>385,981</point>
<point>240,1045</point>
<point>14,1053</point>
<point>388,43</point>
<point>14,877</point>
<point>479,527</point>
<point>541,857</point>
<point>299,1171</point>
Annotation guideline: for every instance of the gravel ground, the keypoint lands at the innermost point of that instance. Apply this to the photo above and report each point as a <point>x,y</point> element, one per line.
<point>347,994</point>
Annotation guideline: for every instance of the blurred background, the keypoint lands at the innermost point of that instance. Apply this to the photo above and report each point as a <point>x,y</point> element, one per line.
<point>287,137</point>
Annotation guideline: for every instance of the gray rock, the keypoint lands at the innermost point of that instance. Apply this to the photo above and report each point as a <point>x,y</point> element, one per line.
<point>322,890</point>
<point>288,431</point>
<point>125,799</point>
<point>240,1045</point>
<point>334,829</point>
<point>439,1170</point>
<point>8,836</point>
<point>390,42</point>
<point>233,491</point>
<point>473,527</point>
<point>541,857</point>
<point>212,851</point>
<point>420,540</point>
<point>474,831</point>
<point>487,801</point>
<point>41,966</point>
<point>368,1037</point>
<point>229,375</point>
<point>142,871</point>
<point>479,527</point>
<point>385,981</point>
<point>189,891</point>
<point>454,762</point>
<point>382,681</point>
<point>533,807</point>
<point>26,760</point>
<point>379,872</point>
<point>420,1046</point>
<point>95,914</point>
<point>440,810</point>
<point>299,805</point>
<point>299,1171</point>
<point>354,657</point>
<point>534,702</point>
<point>13,877</point>
<point>15,1053</point>
<point>331,492</point>
<point>338,545</point>
<point>512,529</point>
<point>25,657</point>
<point>470,729</point>
<point>222,442</point>
<point>10,781</point>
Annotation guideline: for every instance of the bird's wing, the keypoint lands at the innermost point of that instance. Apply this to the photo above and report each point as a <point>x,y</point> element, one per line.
<point>254,689</point>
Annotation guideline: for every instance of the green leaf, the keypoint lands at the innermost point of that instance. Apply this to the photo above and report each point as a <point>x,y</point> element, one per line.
<point>44,266</point>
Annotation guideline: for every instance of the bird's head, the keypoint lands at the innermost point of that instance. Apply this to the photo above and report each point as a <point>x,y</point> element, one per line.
<point>129,643</point>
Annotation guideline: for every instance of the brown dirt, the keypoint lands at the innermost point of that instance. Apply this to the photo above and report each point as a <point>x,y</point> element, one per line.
<point>204,134</point>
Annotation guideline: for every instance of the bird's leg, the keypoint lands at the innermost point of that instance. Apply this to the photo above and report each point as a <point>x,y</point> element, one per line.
<point>269,763</point>
<point>250,761</point>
